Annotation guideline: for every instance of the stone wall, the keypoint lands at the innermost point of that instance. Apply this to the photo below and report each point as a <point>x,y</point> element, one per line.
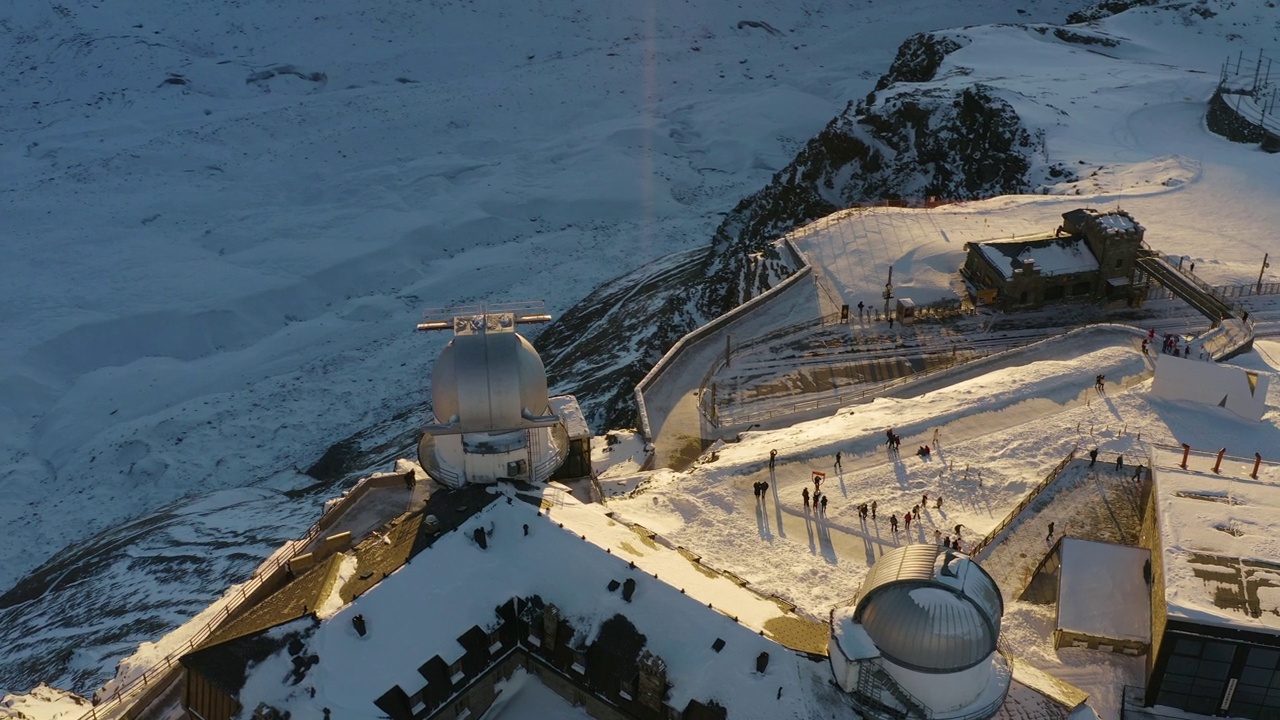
<point>1222,119</point>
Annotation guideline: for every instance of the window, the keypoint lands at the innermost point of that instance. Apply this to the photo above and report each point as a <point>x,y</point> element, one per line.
<point>1195,675</point>
<point>1257,694</point>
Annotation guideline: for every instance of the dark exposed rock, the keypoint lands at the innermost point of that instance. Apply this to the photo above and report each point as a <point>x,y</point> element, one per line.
<point>1084,38</point>
<point>1107,8</point>
<point>918,59</point>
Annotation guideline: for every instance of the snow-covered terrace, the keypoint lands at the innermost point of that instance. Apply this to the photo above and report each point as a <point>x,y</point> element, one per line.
<point>1220,537</point>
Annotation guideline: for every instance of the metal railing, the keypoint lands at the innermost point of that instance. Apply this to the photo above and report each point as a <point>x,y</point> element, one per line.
<point>862,392</point>
<point>1027,499</point>
<point>118,697</point>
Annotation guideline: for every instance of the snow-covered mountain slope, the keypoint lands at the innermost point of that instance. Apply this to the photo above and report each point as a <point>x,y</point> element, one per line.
<point>222,219</point>
<point>989,110</point>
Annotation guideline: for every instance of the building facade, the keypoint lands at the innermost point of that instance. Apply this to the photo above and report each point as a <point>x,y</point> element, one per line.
<point>1091,257</point>
<point>1215,614</point>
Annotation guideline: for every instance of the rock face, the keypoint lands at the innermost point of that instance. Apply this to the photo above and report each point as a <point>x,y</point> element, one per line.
<point>905,142</point>
<point>1106,8</point>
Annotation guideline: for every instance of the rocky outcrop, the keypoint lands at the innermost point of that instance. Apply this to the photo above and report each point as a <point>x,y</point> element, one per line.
<point>1107,8</point>
<point>919,58</point>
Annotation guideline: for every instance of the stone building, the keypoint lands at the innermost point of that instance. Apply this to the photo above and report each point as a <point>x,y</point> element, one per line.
<point>1091,257</point>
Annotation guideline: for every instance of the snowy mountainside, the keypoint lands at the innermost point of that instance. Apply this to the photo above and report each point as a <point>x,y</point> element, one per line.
<point>964,143</point>
<point>222,220</point>
<point>971,113</point>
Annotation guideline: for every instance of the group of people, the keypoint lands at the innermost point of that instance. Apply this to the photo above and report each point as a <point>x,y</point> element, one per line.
<point>819,499</point>
<point>892,440</point>
<point>760,488</point>
<point>1170,346</point>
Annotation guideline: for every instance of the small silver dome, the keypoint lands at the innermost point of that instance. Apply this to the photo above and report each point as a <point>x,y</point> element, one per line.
<point>930,609</point>
<point>489,382</point>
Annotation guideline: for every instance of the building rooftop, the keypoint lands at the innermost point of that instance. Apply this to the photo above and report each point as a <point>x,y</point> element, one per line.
<point>1050,255</point>
<point>1102,590</point>
<point>420,610</point>
<point>1220,539</point>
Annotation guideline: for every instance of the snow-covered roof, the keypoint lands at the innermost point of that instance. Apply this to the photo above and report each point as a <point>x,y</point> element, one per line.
<point>567,409</point>
<point>1220,539</point>
<point>419,611</point>
<point>1102,591</point>
<point>1116,222</point>
<point>1051,256</point>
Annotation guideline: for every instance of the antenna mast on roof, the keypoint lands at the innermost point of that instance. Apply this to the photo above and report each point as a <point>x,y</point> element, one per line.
<point>483,318</point>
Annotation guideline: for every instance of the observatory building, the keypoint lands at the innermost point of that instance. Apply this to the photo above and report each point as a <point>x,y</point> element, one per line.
<point>920,639</point>
<point>492,417</point>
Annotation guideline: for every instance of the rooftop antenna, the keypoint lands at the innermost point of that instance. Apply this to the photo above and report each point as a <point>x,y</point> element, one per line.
<point>484,317</point>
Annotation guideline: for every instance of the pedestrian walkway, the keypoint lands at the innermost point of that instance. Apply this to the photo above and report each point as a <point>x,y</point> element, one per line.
<point>839,535</point>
